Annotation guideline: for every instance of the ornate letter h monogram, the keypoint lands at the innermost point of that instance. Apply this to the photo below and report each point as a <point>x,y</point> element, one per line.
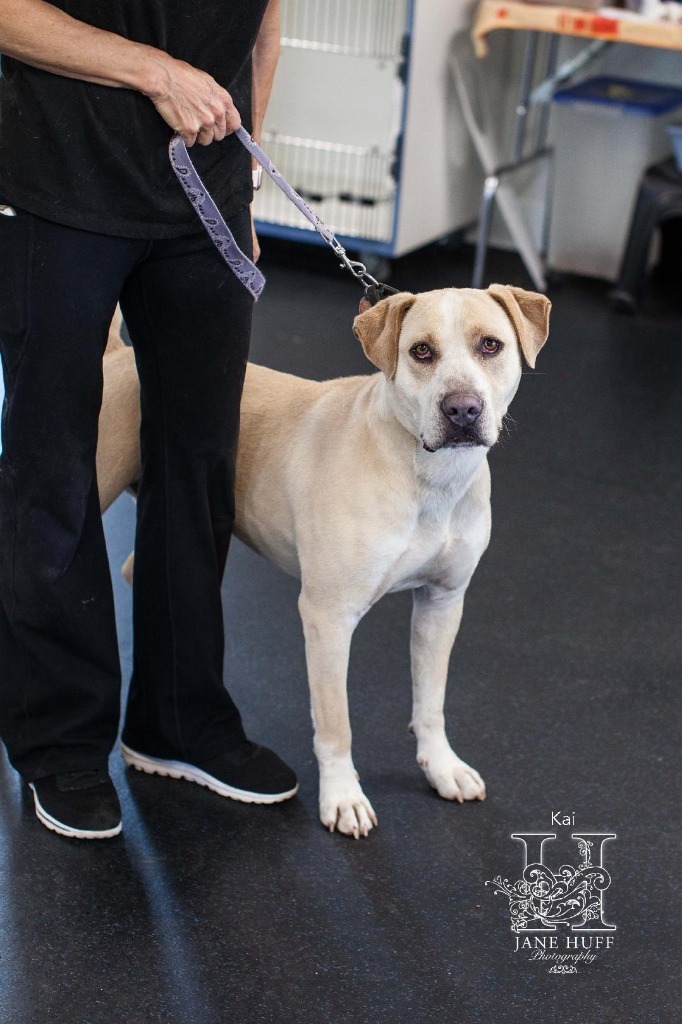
<point>541,899</point>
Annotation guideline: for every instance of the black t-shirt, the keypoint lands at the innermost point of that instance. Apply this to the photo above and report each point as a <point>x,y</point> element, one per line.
<point>95,157</point>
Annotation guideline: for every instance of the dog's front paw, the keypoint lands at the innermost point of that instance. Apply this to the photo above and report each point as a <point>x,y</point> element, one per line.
<point>346,808</point>
<point>452,777</point>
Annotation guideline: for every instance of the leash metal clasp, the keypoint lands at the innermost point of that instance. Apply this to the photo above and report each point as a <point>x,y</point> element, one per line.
<point>357,269</point>
<point>375,291</point>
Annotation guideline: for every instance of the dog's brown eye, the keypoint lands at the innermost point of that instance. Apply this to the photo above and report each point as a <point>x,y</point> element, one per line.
<point>490,346</point>
<point>422,351</point>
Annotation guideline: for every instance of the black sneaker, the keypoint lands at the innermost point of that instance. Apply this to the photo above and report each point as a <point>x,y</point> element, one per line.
<point>250,773</point>
<point>80,804</point>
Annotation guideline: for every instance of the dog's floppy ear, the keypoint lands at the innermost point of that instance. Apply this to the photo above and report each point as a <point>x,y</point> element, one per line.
<point>378,329</point>
<point>529,313</point>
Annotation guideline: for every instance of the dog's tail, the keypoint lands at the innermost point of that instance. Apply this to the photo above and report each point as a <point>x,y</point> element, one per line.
<point>128,567</point>
<point>115,341</point>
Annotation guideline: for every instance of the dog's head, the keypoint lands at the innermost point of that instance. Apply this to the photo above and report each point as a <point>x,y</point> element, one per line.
<point>453,358</point>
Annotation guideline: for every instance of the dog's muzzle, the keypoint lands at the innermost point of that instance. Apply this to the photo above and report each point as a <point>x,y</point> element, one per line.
<point>462,429</point>
<point>462,410</point>
<point>462,439</point>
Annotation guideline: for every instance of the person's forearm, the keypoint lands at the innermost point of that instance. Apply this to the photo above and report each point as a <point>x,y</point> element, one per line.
<point>44,36</point>
<point>265,54</point>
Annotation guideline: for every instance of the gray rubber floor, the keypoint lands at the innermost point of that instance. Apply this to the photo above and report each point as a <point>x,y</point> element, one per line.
<point>564,694</point>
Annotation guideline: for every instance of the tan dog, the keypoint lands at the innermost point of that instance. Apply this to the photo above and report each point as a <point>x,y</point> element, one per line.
<point>362,486</point>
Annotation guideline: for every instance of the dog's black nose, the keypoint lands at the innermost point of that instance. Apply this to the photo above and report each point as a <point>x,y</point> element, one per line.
<point>462,409</point>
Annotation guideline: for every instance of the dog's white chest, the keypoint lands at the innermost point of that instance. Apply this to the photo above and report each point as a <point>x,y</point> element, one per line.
<point>442,549</point>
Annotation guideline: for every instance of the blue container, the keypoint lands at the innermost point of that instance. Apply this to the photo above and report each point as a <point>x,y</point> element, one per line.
<point>675,133</point>
<point>629,95</point>
<point>606,131</point>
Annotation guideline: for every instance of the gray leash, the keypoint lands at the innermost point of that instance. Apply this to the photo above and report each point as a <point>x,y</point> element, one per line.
<point>223,239</point>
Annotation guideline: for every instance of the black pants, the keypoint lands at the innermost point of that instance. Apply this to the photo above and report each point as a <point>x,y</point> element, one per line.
<point>189,321</point>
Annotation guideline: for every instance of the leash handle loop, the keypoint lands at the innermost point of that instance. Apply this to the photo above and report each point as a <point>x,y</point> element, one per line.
<point>212,219</point>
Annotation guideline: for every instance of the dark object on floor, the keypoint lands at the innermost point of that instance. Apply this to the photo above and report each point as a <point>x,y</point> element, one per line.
<point>659,201</point>
<point>251,773</point>
<point>80,804</point>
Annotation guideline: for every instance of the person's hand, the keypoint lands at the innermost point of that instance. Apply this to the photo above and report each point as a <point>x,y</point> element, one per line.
<point>254,236</point>
<point>193,104</point>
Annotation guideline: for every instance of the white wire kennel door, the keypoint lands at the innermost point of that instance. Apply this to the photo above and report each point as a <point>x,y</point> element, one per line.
<point>334,118</point>
<point>358,28</point>
<point>349,187</point>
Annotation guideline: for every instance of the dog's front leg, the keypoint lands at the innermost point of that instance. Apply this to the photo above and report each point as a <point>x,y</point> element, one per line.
<point>435,622</point>
<point>328,634</point>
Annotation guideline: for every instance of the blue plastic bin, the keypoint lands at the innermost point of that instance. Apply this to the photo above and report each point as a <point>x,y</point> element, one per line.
<point>606,131</point>
<point>628,95</point>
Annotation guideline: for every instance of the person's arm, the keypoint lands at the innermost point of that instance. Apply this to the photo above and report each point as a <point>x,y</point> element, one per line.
<point>189,100</point>
<point>264,60</point>
<point>264,63</point>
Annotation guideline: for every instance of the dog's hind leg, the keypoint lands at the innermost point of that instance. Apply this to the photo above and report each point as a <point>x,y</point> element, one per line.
<point>435,621</point>
<point>115,341</point>
<point>127,568</point>
<point>328,632</point>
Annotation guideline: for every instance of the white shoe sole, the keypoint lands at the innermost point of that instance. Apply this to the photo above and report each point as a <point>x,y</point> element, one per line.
<point>190,773</point>
<point>67,830</point>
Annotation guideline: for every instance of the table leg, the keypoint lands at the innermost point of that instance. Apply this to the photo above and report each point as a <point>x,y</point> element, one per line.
<point>492,183</point>
<point>525,87</point>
